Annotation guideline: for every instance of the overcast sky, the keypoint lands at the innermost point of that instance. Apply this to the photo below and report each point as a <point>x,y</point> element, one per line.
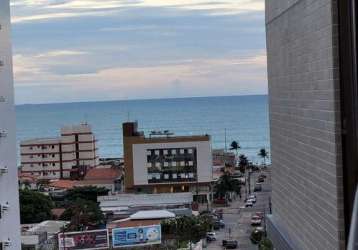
<point>88,50</point>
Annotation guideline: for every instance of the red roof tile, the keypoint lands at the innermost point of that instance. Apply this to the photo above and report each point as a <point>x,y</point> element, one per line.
<point>103,174</point>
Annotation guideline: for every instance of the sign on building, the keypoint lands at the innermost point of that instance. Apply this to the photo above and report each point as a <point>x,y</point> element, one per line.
<point>96,239</point>
<point>136,236</point>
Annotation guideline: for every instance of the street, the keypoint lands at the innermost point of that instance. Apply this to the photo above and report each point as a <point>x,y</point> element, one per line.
<point>238,219</point>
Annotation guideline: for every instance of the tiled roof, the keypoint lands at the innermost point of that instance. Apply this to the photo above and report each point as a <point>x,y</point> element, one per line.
<point>63,184</point>
<point>103,174</point>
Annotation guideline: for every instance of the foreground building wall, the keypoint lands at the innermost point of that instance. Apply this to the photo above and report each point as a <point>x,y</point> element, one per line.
<point>307,198</point>
<point>9,219</point>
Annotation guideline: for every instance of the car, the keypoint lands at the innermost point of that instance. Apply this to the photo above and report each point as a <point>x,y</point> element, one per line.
<point>258,187</point>
<point>216,225</point>
<point>252,196</point>
<point>222,223</point>
<point>260,179</point>
<point>253,200</point>
<point>260,214</point>
<point>262,176</point>
<point>210,236</point>
<point>256,220</point>
<point>249,204</point>
<point>230,244</point>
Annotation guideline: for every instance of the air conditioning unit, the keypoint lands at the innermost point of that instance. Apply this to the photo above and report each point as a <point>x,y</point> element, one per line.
<point>5,207</point>
<point>3,170</point>
<point>3,133</point>
<point>6,243</point>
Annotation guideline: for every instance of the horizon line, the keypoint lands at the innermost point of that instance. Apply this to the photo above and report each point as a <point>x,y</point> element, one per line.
<point>138,99</point>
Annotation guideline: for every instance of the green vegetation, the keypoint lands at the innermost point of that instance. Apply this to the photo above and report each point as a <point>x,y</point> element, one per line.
<point>235,146</point>
<point>263,154</point>
<point>243,163</point>
<point>265,244</point>
<point>85,193</point>
<point>35,207</point>
<point>226,184</point>
<point>187,228</point>
<point>83,214</point>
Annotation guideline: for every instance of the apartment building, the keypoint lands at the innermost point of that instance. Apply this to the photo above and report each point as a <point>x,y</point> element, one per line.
<point>313,96</point>
<point>164,163</point>
<point>69,156</point>
<point>9,198</point>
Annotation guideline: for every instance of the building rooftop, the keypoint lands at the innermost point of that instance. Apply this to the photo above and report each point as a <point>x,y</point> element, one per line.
<point>52,140</point>
<point>152,214</point>
<point>103,174</point>
<point>50,226</point>
<point>133,200</point>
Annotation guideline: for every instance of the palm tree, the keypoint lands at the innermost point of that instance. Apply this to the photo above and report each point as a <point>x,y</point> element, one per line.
<point>235,146</point>
<point>243,163</point>
<point>263,154</point>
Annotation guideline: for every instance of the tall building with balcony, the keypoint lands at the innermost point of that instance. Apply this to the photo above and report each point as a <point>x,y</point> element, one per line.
<point>69,156</point>
<point>164,163</point>
<point>313,97</point>
<point>9,198</point>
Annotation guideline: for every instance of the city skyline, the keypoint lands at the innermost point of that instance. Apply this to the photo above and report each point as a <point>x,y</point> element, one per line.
<point>69,51</point>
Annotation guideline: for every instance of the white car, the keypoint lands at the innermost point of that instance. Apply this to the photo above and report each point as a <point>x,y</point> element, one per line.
<point>253,200</point>
<point>252,196</point>
<point>249,204</point>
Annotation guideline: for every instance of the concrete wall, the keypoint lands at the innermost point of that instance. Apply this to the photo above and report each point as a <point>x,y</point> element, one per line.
<point>305,124</point>
<point>10,221</point>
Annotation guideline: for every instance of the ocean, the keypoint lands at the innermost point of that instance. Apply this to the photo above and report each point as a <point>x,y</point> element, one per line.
<point>245,119</point>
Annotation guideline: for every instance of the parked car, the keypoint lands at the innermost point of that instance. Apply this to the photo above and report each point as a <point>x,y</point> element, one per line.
<point>216,225</point>
<point>249,204</point>
<point>260,179</point>
<point>252,196</point>
<point>222,223</point>
<point>262,176</point>
<point>210,236</point>
<point>258,187</point>
<point>253,200</point>
<point>260,214</point>
<point>256,220</point>
<point>230,244</point>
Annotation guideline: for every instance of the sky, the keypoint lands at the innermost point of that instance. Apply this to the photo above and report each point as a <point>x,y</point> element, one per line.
<point>89,50</point>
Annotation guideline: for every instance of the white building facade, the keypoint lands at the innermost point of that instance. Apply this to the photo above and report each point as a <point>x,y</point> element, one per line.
<point>68,156</point>
<point>10,238</point>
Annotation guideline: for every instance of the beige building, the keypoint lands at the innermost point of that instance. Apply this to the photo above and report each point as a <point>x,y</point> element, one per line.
<point>69,156</point>
<point>163,163</point>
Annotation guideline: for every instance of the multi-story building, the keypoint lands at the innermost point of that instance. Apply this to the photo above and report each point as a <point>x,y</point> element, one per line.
<point>68,156</point>
<point>163,163</point>
<point>313,96</point>
<point>9,198</point>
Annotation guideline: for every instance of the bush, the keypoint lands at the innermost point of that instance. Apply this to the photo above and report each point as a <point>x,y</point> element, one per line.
<point>265,244</point>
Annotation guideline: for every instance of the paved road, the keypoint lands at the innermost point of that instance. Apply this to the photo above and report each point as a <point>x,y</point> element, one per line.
<point>238,219</point>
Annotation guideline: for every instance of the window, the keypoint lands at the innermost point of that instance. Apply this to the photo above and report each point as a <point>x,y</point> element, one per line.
<point>156,152</point>
<point>174,164</point>
<point>182,151</point>
<point>182,163</point>
<point>44,147</point>
<point>32,165</point>
<point>53,155</point>
<point>31,156</point>
<point>53,164</point>
<point>45,164</point>
<point>165,151</point>
<point>166,164</point>
<point>53,146</point>
<point>44,156</point>
<point>31,148</point>
<point>190,151</point>
<point>149,164</point>
<point>174,151</point>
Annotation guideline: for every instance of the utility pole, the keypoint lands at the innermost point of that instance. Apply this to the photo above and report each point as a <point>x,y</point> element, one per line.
<point>225,142</point>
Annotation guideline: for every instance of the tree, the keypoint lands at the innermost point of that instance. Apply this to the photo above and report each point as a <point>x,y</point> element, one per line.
<point>227,184</point>
<point>187,228</point>
<point>83,214</point>
<point>243,163</point>
<point>85,193</point>
<point>235,146</point>
<point>35,207</point>
<point>265,244</point>
<point>263,154</point>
